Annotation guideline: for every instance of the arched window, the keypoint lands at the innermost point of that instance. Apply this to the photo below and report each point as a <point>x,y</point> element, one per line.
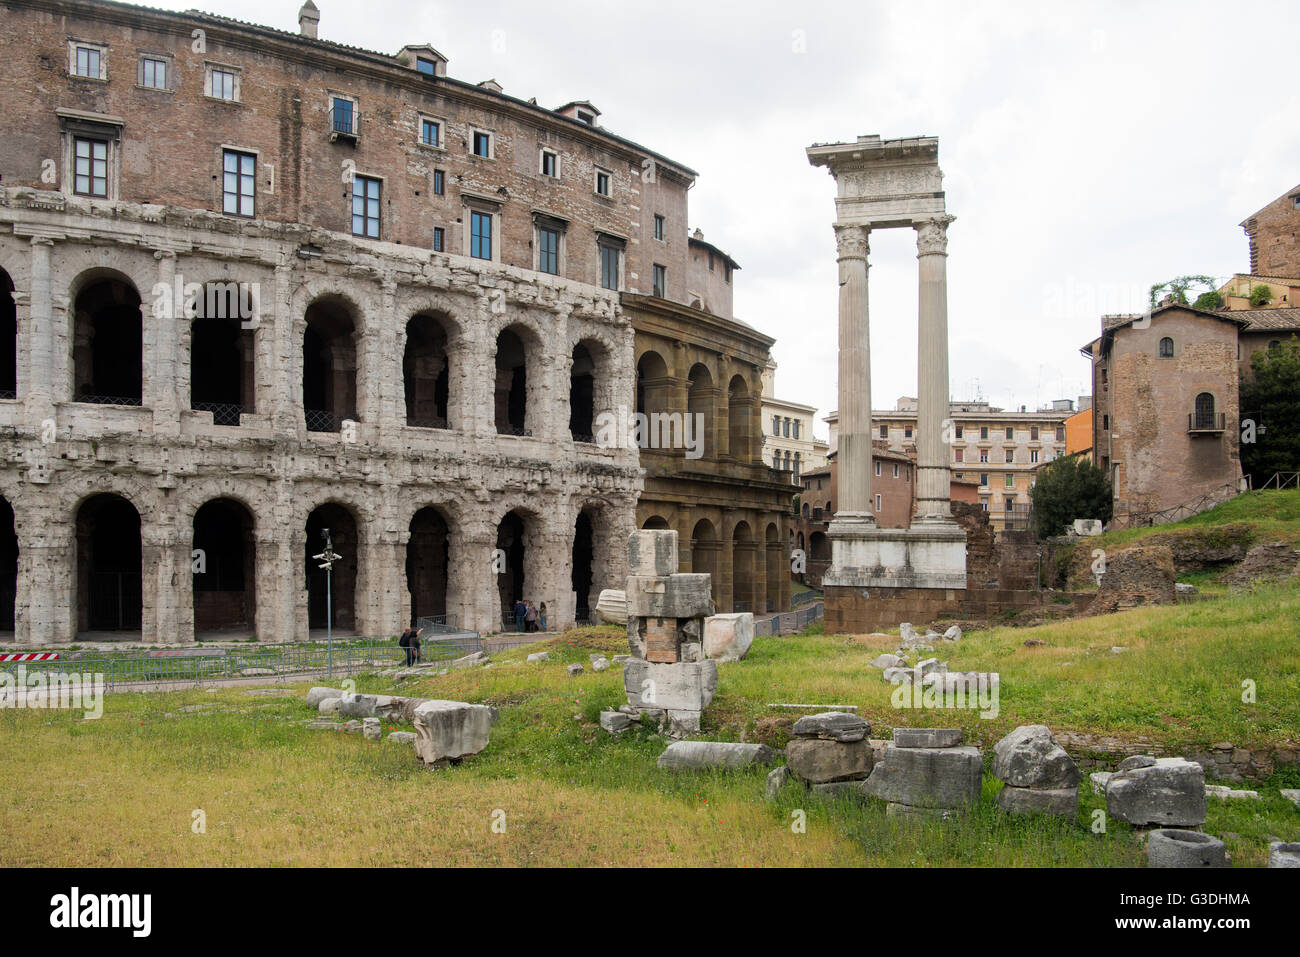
<point>1204,416</point>
<point>1274,345</point>
<point>1166,348</point>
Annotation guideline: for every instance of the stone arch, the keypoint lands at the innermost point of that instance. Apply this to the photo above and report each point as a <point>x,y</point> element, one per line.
<point>656,521</point>
<point>428,562</point>
<point>8,338</point>
<point>518,386</point>
<point>335,593</point>
<point>225,570</point>
<point>331,331</point>
<point>427,370</point>
<point>653,384</point>
<point>776,566</point>
<point>520,547</point>
<point>701,405</point>
<point>743,557</point>
<point>740,409</point>
<point>107,339</point>
<point>706,556</point>
<point>222,381</point>
<point>109,564</point>
<point>591,386</point>
<point>819,547</point>
<point>8,566</point>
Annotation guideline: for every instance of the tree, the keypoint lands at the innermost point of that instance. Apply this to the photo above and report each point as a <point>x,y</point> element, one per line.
<point>1178,287</point>
<point>1270,402</point>
<point>1260,295</point>
<point>1069,487</point>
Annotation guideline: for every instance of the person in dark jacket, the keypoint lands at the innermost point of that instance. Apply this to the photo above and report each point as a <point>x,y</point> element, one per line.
<point>520,611</point>
<point>405,643</point>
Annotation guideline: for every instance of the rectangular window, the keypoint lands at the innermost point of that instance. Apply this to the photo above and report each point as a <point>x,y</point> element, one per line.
<point>1010,433</point>
<point>984,431</point>
<point>958,432</point>
<point>238,182</point>
<point>482,144</point>
<point>1060,433</point>
<point>776,425</point>
<point>609,256</point>
<point>602,182</point>
<point>424,66</point>
<point>548,250</point>
<point>1105,422</point>
<point>1010,480</point>
<point>480,235</point>
<point>877,468</point>
<point>884,431</point>
<point>1033,455</point>
<point>877,501</point>
<point>984,478</point>
<point>153,73</point>
<point>959,455</point>
<point>661,281</point>
<point>430,132</point>
<point>88,61</point>
<point>439,182</point>
<point>437,239</point>
<point>659,228</point>
<point>365,207</point>
<point>1011,456</point>
<point>91,172</point>
<point>221,84</point>
<point>342,112</point>
<point>895,470</point>
<point>984,455</point>
<point>1033,433</point>
<point>907,432</point>
<point>550,164</point>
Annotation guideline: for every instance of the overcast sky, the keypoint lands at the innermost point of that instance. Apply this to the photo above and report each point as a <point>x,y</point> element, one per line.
<point>1089,149</point>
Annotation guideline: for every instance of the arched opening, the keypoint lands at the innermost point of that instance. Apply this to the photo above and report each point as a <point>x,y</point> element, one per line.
<point>107,344</point>
<point>428,558</point>
<point>329,366</point>
<point>652,386</point>
<point>1166,348</point>
<point>511,384</point>
<point>706,554</point>
<point>221,359</point>
<point>8,339</point>
<point>109,565</point>
<point>512,551</point>
<point>742,569</point>
<point>225,568</point>
<point>776,567</point>
<point>582,395</point>
<point>334,593</point>
<point>8,566</point>
<point>739,409</point>
<point>584,552</point>
<point>426,371</point>
<point>699,404</point>
<point>656,521</point>
<point>819,547</point>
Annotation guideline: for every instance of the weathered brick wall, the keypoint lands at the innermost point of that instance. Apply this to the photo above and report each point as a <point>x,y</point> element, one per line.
<point>1275,239</point>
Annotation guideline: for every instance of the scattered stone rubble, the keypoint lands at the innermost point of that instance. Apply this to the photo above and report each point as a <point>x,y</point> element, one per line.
<point>1174,847</point>
<point>927,771</point>
<point>701,755</point>
<point>1282,854</point>
<point>1038,776</point>
<point>447,731</point>
<point>728,637</point>
<point>830,752</point>
<point>1271,561</point>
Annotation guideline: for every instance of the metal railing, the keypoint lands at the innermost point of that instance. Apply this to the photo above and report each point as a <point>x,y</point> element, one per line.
<point>1217,496</point>
<point>803,598</point>
<point>319,420</point>
<point>1281,480</point>
<point>201,665</point>
<point>96,399</point>
<point>8,394</point>
<point>1207,421</point>
<point>223,413</point>
<point>583,438</point>
<point>513,430</point>
<point>432,422</point>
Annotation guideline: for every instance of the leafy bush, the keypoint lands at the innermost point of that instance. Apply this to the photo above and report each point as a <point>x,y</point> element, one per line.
<point>1069,487</point>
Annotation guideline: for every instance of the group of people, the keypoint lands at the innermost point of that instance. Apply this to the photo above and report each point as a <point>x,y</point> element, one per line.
<point>530,617</point>
<point>410,641</point>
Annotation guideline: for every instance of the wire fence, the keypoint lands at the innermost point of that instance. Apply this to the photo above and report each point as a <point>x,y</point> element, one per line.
<point>137,669</point>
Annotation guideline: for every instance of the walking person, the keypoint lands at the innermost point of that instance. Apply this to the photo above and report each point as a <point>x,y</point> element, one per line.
<point>531,617</point>
<point>541,615</point>
<point>520,611</point>
<point>415,645</point>
<point>405,644</point>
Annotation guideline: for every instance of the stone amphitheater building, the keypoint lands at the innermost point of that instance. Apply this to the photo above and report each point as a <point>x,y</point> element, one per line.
<point>261,285</point>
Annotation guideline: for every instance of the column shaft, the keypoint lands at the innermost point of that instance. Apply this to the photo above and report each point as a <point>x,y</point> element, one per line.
<point>855,377</point>
<point>933,424</point>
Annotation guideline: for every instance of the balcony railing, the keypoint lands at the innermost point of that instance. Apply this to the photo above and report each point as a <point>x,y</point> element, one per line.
<point>345,124</point>
<point>223,413</point>
<point>513,430</point>
<point>1211,422</point>
<point>432,422</point>
<point>319,420</point>
<point>107,399</point>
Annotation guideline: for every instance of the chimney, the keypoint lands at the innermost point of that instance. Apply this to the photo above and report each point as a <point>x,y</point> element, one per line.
<point>308,20</point>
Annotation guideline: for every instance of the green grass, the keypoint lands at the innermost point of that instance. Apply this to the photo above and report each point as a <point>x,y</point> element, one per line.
<point>123,790</point>
<point>1270,516</point>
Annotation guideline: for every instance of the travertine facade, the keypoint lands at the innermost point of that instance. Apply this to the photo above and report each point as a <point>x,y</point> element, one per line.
<point>410,320</point>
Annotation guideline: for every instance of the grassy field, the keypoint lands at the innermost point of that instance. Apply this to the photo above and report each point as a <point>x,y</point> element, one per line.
<point>124,790</point>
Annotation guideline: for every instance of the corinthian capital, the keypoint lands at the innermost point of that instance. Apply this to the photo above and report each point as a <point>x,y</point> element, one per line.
<point>932,236</point>
<point>851,241</point>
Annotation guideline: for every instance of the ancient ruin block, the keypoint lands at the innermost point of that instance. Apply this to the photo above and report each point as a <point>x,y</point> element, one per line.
<point>669,596</point>
<point>448,730</point>
<point>1169,792</point>
<point>927,777</point>
<point>652,553</point>
<point>728,637</point>
<point>680,686</point>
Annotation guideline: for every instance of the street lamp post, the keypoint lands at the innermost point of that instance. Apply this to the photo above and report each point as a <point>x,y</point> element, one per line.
<point>327,558</point>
